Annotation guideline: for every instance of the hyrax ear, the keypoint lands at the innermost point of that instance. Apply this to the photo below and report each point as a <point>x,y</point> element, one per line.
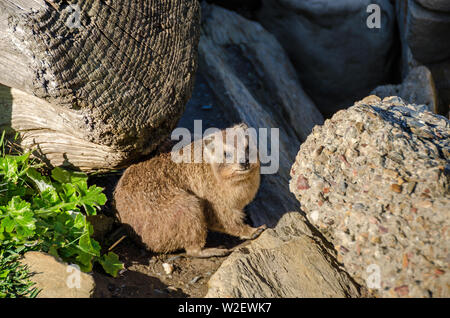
<point>212,148</point>
<point>243,126</point>
<point>208,141</point>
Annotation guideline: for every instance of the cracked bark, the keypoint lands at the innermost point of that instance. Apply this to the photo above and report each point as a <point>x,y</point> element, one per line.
<point>123,77</point>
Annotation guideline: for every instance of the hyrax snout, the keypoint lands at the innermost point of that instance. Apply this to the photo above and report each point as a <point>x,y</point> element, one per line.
<point>173,199</point>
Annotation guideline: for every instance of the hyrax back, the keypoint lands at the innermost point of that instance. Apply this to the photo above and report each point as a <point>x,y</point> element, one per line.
<point>171,205</point>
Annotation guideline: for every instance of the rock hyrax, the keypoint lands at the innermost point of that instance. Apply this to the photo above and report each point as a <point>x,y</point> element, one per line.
<point>171,205</point>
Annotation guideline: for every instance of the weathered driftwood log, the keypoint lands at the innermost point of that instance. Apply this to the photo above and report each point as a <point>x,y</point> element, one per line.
<point>95,84</point>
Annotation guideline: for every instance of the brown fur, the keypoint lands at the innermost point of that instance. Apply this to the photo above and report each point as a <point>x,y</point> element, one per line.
<point>171,206</point>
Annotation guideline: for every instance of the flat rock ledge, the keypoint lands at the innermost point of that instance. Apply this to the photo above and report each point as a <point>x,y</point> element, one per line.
<point>374,179</point>
<point>56,279</point>
<point>286,261</point>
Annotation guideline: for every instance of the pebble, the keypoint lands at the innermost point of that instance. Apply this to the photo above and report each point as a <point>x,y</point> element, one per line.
<point>302,183</point>
<point>410,187</point>
<point>390,173</point>
<point>402,290</point>
<point>424,204</point>
<point>382,229</point>
<point>342,187</point>
<point>195,279</point>
<point>405,261</point>
<point>122,271</point>
<point>168,268</point>
<point>314,216</point>
<point>396,188</point>
<point>360,126</point>
<point>375,240</point>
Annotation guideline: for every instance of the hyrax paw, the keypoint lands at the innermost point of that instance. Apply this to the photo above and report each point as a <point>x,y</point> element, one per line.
<point>257,232</point>
<point>208,252</point>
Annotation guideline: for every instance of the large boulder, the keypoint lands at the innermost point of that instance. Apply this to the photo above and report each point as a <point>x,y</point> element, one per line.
<point>339,59</point>
<point>96,84</point>
<point>437,5</point>
<point>245,8</point>
<point>56,279</point>
<point>441,76</point>
<point>424,27</point>
<point>425,30</point>
<point>253,79</point>
<point>287,261</point>
<point>375,180</point>
<point>417,88</point>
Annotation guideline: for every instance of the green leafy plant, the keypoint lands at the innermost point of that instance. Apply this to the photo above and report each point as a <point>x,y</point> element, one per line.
<point>48,212</point>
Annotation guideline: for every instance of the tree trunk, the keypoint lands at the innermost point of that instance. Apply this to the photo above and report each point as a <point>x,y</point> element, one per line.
<point>95,84</point>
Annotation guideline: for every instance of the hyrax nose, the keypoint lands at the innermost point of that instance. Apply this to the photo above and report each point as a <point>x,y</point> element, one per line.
<point>244,162</point>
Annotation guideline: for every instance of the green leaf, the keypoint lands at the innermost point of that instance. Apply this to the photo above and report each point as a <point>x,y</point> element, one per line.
<point>42,183</point>
<point>17,205</point>
<point>48,198</point>
<point>64,176</point>
<point>4,273</point>
<point>19,159</point>
<point>84,260</point>
<point>111,264</point>
<point>19,218</point>
<point>8,224</point>
<point>87,245</point>
<point>25,224</point>
<point>61,175</point>
<point>80,220</point>
<point>95,195</point>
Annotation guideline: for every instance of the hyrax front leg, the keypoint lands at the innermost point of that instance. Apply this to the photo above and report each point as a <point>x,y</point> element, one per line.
<point>192,235</point>
<point>179,223</point>
<point>231,221</point>
<point>250,233</point>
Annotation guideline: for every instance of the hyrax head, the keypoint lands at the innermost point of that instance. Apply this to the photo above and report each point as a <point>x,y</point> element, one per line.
<point>232,152</point>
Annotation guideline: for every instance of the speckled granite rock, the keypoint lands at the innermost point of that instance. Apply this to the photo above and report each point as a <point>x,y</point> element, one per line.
<point>375,180</point>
